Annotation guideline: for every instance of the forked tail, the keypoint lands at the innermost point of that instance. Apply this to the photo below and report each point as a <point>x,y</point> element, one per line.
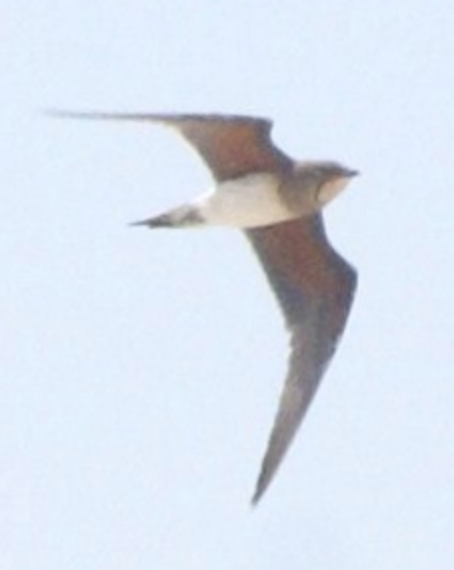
<point>182,217</point>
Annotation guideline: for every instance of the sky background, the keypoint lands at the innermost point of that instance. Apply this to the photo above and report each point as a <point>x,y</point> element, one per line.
<point>140,371</point>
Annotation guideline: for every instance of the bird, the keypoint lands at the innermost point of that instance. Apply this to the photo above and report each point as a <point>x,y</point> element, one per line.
<point>277,202</point>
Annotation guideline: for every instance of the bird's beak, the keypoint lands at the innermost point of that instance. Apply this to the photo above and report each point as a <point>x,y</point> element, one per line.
<point>352,173</point>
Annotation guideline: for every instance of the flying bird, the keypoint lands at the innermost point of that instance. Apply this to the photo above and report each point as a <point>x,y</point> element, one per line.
<point>278,203</point>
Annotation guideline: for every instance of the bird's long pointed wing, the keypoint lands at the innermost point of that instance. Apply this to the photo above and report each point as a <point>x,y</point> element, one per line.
<point>315,289</point>
<point>230,145</point>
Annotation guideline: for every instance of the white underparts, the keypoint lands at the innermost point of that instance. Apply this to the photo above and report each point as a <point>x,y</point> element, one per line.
<point>246,202</point>
<point>331,189</point>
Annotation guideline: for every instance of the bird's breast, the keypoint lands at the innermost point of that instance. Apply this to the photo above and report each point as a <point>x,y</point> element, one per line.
<point>246,202</point>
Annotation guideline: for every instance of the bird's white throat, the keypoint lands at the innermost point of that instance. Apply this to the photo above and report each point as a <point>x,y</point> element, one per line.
<point>245,202</point>
<point>331,189</point>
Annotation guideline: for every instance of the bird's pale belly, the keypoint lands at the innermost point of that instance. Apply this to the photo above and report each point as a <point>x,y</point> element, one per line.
<point>246,202</point>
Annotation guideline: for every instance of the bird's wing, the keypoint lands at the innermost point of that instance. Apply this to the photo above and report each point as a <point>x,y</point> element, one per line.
<point>230,145</point>
<point>315,288</point>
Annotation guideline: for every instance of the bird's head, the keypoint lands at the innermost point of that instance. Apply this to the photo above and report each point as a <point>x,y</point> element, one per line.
<point>328,178</point>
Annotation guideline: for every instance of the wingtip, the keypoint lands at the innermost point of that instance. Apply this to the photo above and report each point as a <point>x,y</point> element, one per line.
<point>95,115</point>
<point>256,498</point>
<point>67,114</point>
<point>261,486</point>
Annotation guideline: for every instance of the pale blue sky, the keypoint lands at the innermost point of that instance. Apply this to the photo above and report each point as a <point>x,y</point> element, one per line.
<point>141,371</point>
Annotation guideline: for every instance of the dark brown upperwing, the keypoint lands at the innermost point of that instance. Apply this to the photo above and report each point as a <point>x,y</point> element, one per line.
<point>231,145</point>
<point>315,288</point>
